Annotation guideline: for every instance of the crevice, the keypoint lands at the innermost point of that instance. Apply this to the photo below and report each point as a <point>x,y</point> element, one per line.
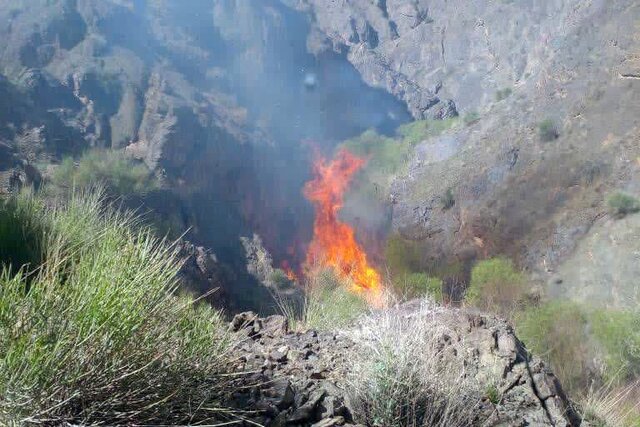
<point>634,76</point>
<point>442,39</point>
<point>534,387</point>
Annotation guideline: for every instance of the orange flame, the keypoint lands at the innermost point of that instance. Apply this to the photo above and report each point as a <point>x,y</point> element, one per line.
<point>334,242</point>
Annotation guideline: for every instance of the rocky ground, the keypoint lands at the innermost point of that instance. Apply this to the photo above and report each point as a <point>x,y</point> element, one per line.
<point>301,376</point>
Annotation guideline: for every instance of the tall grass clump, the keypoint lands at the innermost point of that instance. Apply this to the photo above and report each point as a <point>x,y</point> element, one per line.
<point>95,334</point>
<point>400,376</point>
<point>612,406</point>
<point>110,168</point>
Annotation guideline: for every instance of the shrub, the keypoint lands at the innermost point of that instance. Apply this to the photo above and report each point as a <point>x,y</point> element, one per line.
<point>557,331</point>
<point>415,132</point>
<point>622,204</point>
<point>415,285</point>
<point>400,377</point>
<point>112,169</point>
<point>330,304</point>
<point>402,256</point>
<point>503,94</point>
<point>471,117</point>
<point>448,200</point>
<point>97,335</point>
<point>618,331</point>
<point>548,130</point>
<point>496,286</point>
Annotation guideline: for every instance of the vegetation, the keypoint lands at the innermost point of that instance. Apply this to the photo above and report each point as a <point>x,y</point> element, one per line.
<point>403,256</point>
<point>112,169</point>
<point>448,200</point>
<point>329,304</point>
<point>386,156</point>
<point>400,377</point>
<point>557,331</point>
<point>612,407</point>
<point>471,117</point>
<point>91,332</point>
<point>622,204</point>
<point>548,130</point>
<point>496,286</point>
<point>618,331</point>
<point>503,94</point>
<point>414,285</point>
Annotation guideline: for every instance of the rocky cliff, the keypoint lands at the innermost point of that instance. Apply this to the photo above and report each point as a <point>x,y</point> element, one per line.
<point>510,68</point>
<point>302,378</point>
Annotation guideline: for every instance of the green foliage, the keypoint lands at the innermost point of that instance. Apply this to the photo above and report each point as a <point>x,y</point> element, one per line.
<point>548,130</point>
<point>97,335</point>
<point>387,156</point>
<point>557,331</point>
<point>503,94</point>
<point>622,204</point>
<point>402,255</point>
<point>415,285</point>
<point>20,232</point>
<point>448,200</point>
<point>495,286</point>
<point>493,394</point>
<point>113,169</point>
<point>330,302</point>
<point>470,118</point>
<point>619,334</point>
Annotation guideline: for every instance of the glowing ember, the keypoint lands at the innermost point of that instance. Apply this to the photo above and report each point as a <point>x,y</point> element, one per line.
<point>334,242</point>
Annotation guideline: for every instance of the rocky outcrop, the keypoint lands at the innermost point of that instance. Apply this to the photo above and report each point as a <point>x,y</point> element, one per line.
<point>299,378</point>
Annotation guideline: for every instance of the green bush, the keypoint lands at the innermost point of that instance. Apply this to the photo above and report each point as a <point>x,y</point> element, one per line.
<point>622,204</point>
<point>496,286</point>
<point>112,169</point>
<point>97,335</point>
<point>503,94</point>
<point>415,132</point>
<point>548,130</point>
<point>557,331</point>
<point>414,285</point>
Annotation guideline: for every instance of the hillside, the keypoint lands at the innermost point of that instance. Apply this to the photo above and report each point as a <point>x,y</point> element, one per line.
<point>483,155</point>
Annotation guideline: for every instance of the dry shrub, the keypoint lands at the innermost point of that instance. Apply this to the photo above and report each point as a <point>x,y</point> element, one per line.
<point>613,407</point>
<point>400,377</point>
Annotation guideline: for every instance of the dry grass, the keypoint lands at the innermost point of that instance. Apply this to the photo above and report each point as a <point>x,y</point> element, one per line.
<point>399,376</point>
<point>613,407</point>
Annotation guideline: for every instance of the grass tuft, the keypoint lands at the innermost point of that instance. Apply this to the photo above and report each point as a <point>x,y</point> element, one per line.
<point>96,336</point>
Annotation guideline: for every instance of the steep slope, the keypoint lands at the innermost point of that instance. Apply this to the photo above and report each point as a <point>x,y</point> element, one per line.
<point>513,69</point>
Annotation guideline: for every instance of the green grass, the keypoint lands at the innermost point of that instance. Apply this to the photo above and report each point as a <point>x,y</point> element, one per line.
<point>618,331</point>
<point>112,169</point>
<point>329,303</point>
<point>557,331</point>
<point>622,204</point>
<point>95,334</point>
<point>414,285</point>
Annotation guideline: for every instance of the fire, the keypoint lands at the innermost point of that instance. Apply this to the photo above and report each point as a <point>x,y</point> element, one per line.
<point>334,242</point>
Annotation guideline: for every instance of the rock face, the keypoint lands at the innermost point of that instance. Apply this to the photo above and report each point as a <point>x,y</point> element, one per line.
<point>509,67</point>
<point>301,376</point>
